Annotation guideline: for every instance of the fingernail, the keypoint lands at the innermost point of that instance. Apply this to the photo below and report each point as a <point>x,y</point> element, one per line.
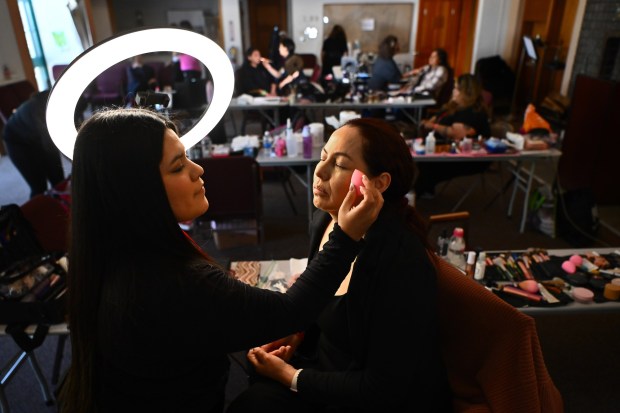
<point>351,187</point>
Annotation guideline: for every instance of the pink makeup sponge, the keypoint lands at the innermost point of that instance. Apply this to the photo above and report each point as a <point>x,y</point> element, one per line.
<point>531,286</point>
<point>356,180</point>
<point>569,267</point>
<point>576,259</point>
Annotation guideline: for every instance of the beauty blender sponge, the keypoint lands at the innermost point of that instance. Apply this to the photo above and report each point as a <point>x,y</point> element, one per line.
<point>356,180</point>
<point>576,259</point>
<point>569,267</point>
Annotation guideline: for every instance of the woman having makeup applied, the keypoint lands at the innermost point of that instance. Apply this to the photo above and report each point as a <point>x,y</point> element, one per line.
<point>152,316</point>
<point>376,345</point>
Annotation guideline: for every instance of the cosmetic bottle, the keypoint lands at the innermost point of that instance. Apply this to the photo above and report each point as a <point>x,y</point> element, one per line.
<point>307,142</point>
<point>442,243</point>
<point>481,265</point>
<point>430,142</point>
<point>291,141</point>
<point>471,262</point>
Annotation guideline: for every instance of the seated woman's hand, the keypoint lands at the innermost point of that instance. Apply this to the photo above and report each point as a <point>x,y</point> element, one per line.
<point>292,342</point>
<point>271,365</point>
<point>356,219</point>
<point>461,130</point>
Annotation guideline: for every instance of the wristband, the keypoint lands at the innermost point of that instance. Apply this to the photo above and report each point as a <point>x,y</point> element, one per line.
<point>294,381</point>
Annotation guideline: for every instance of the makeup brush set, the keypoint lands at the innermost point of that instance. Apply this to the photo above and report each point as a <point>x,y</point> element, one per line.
<point>535,278</point>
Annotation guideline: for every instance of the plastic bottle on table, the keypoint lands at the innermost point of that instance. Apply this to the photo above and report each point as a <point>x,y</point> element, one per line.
<point>268,144</point>
<point>307,142</point>
<point>430,143</point>
<point>291,141</point>
<point>456,249</point>
<point>481,265</point>
<point>442,243</point>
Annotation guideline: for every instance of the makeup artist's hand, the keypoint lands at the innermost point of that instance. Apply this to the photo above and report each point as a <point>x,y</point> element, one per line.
<point>271,365</point>
<point>356,219</point>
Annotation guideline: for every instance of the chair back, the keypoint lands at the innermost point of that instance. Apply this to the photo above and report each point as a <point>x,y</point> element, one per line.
<point>57,71</point>
<point>49,218</point>
<point>490,349</point>
<point>110,86</point>
<point>233,187</point>
<point>13,95</point>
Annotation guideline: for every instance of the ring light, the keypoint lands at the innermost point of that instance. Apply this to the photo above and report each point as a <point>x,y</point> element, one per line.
<point>94,61</point>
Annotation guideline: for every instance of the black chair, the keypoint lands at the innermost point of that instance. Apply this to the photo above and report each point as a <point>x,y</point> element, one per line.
<point>233,188</point>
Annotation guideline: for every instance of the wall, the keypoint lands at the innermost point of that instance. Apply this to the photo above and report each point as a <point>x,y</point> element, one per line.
<point>602,18</point>
<point>9,53</point>
<point>101,20</point>
<point>496,27</point>
<point>310,13</point>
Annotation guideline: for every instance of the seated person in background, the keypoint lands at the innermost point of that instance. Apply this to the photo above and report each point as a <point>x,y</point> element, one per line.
<point>465,115</point>
<point>429,78</point>
<point>252,78</point>
<point>352,367</point>
<point>292,70</point>
<point>334,47</point>
<point>30,146</point>
<point>385,70</point>
<point>140,77</point>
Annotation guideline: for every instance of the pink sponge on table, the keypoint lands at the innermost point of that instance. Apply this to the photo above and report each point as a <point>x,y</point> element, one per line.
<point>569,267</point>
<point>356,180</point>
<point>576,259</point>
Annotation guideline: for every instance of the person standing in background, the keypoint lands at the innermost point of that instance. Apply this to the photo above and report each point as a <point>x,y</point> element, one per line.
<point>334,47</point>
<point>30,146</point>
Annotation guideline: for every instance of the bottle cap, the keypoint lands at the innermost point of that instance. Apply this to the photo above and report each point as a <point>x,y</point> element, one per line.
<point>458,232</point>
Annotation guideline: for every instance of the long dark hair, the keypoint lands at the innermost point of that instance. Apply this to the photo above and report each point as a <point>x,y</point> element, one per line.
<point>442,56</point>
<point>338,33</point>
<point>384,150</point>
<point>388,47</point>
<point>120,219</point>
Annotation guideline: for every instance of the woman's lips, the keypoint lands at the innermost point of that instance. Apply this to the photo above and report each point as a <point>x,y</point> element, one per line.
<point>318,191</point>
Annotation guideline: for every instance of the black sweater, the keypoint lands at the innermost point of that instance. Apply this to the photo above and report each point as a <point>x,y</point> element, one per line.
<point>169,351</point>
<point>392,328</point>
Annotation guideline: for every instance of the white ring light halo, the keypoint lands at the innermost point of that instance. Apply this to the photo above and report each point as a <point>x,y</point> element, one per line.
<point>94,61</point>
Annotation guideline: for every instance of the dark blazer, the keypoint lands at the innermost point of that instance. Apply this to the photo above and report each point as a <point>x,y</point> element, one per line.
<point>391,299</point>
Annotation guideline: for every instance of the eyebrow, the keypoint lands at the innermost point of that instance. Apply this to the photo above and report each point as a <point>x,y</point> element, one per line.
<point>346,155</point>
<point>176,158</point>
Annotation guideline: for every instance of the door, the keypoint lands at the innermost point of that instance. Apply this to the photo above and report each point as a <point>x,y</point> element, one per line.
<point>448,24</point>
<point>263,15</point>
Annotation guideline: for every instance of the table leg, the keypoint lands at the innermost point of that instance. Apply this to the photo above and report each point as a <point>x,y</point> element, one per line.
<point>526,196</point>
<point>309,190</point>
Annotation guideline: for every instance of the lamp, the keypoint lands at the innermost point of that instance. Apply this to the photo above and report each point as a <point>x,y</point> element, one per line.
<point>94,61</point>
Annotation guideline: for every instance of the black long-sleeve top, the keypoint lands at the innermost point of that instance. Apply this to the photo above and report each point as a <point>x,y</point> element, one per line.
<point>392,328</point>
<point>169,353</point>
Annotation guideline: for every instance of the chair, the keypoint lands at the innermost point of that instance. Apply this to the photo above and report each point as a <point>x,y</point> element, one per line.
<point>57,71</point>
<point>491,350</point>
<point>233,188</point>
<point>439,224</point>
<point>109,87</point>
<point>311,67</point>
<point>13,95</point>
<point>50,221</point>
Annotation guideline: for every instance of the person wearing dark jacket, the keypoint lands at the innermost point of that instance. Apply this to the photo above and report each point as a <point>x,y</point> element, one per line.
<point>30,146</point>
<point>152,316</point>
<point>465,115</point>
<point>385,70</point>
<point>378,347</point>
<point>252,78</point>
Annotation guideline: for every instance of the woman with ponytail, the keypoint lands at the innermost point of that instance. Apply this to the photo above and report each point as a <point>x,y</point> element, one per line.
<point>377,345</point>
